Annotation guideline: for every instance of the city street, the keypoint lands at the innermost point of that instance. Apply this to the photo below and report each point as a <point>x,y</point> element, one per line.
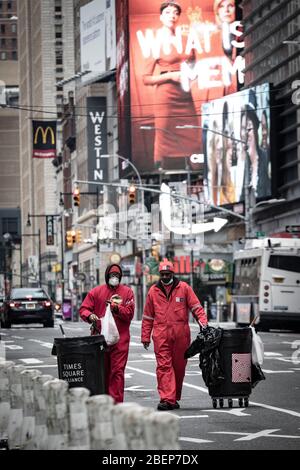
<point>272,420</point>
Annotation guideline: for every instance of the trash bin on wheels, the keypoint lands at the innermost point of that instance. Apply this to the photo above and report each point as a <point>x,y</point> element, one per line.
<point>80,362</point>
<point>235,358</point>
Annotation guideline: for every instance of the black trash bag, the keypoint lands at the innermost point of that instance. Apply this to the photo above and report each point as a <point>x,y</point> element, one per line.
<point>256,374</point>
<point>206,344</point>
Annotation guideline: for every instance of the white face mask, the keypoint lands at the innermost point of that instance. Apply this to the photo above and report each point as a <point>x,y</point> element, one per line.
<point>168,282</point>
<point>113,281</point>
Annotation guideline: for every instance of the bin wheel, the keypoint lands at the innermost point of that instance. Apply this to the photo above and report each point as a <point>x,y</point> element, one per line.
<point>230,403</point>
<point>214,403</point>
<point>221,402</point>
<point>246,402</point>
<point>240,402</point>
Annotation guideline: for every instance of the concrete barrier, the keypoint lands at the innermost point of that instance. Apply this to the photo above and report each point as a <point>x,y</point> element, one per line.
<point>56,413</point>
<point>40,440</point>
<point>39,412</point>
<point>100,422</point>
<point>16,407</point>
<point>28,422</point>
<point>79,435</point>
<point>4,402</point>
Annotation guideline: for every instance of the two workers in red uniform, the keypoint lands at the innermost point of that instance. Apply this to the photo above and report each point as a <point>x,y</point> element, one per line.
<point>166,317</point>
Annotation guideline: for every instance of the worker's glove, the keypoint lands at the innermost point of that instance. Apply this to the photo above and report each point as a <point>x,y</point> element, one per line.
<point>93,318</point>
<point>146,344</point>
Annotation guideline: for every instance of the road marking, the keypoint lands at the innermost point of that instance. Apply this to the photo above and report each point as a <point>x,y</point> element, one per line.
<point>148,356</point>
<point>17,337</point>
<point>42,343</point>
<point>191,416</point>
<point>128,376</point>
<point>141,360</point>
<point>202,389</point>
<point>31,361</point>
<point>255,435</point>
<point>193,373</point>
<point>43,366</point>
<point>193,439</point>
<point>132,343</point>
<point>138,388</point>
<point>13,346</point>
<point>235,412</point>
<point>268,371</point>
<point>268,354</point>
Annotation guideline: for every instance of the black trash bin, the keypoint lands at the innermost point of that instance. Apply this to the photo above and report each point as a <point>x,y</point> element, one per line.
<point>80,362</point>
<point>235,356</point>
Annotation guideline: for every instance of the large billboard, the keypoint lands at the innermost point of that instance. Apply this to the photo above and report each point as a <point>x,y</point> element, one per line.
<point>97,38</point>
<point>179,57</point>
<point>236,141</point>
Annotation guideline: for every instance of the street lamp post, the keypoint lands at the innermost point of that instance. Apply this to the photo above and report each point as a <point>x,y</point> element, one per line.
<point>143,217</point>
<point>40,255</point>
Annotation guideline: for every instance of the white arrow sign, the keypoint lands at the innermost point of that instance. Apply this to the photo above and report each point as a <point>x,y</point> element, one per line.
<point>165,207</point>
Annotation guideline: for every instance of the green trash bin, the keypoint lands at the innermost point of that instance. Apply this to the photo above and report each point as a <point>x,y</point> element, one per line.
<point>80,362</point>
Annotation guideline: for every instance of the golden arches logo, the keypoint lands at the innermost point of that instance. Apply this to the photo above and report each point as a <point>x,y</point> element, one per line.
<point>44,133</point>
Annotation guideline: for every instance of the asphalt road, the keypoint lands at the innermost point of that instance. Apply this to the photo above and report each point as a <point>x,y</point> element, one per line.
<point>272,420</point>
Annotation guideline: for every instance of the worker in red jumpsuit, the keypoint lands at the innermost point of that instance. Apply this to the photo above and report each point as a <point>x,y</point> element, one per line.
<point>121,300</point>
<point>166,316</point>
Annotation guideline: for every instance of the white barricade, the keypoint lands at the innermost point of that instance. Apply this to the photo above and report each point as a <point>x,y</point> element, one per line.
<point>119,426</point>
<point>39,412</point>
<point>16,407</point>
<point>79,435</point>
<point>135,421</point>
<point>100,421</point>
<point>40,440</point>
<point>162,431</point>
<point>57,416</point>
<point>4,400</point>
<point>28,424</point>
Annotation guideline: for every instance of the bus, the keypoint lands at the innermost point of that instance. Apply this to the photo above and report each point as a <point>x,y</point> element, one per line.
<point>266,283</point>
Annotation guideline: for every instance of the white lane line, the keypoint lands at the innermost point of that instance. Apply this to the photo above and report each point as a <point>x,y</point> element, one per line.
<point>42,343</point>
<point>43,366</point>
<point>132,343</point>
<point>268,371</point>
<point>193,439</point>
<point>191,416</point>
<point>31,361</point>
<point>13,346</point>
<point>17,337</point>
<point>202,389</point>
<point>268,354</point>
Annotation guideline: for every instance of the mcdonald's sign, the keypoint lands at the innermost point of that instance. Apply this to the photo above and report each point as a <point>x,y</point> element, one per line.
<point>44,139</point>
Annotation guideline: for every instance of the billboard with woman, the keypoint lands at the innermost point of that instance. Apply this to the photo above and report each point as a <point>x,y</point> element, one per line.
<point>237,146</point>
<point>181,54</point>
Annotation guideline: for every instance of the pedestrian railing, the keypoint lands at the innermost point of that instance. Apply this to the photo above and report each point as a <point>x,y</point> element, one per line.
<point>39,412</point>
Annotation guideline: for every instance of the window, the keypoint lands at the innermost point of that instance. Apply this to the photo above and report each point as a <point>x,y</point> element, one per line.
<point>13,28</point>
<point>286,263</point>
<point>3,28</point>
<point>10,225</point>
<point>3,56</point>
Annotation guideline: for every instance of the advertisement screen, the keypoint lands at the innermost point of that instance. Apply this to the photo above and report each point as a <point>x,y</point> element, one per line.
<point>236,141</point>
<point>97,38</point>
<point>180,56</point>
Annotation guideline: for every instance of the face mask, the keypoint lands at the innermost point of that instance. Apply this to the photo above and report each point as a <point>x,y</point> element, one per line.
<point>167,281</point>
<point>113,281</point>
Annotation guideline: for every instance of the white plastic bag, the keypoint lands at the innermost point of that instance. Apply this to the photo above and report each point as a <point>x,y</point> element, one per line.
<point>109,328</point>
<point>257,348</point>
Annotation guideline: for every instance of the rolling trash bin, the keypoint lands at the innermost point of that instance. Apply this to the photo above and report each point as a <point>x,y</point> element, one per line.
<point>235,359</point>
<point>80,362</point>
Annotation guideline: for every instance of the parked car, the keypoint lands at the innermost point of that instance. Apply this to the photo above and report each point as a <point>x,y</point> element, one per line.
<point>27,305</point>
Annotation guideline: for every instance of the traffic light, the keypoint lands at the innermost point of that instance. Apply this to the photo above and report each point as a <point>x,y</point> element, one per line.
<point>132,194</point>
<point>73,234</point>
<point>78,236</point>
<point>69,239</point>
<point>76,197</point>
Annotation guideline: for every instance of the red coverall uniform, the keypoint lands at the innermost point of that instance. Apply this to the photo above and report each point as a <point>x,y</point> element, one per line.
<point>167,318</point>
<point>116,355</point>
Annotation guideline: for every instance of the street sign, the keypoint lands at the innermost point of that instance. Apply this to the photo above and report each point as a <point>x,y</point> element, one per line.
<point>292,228</point>
<point>260,234</point>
